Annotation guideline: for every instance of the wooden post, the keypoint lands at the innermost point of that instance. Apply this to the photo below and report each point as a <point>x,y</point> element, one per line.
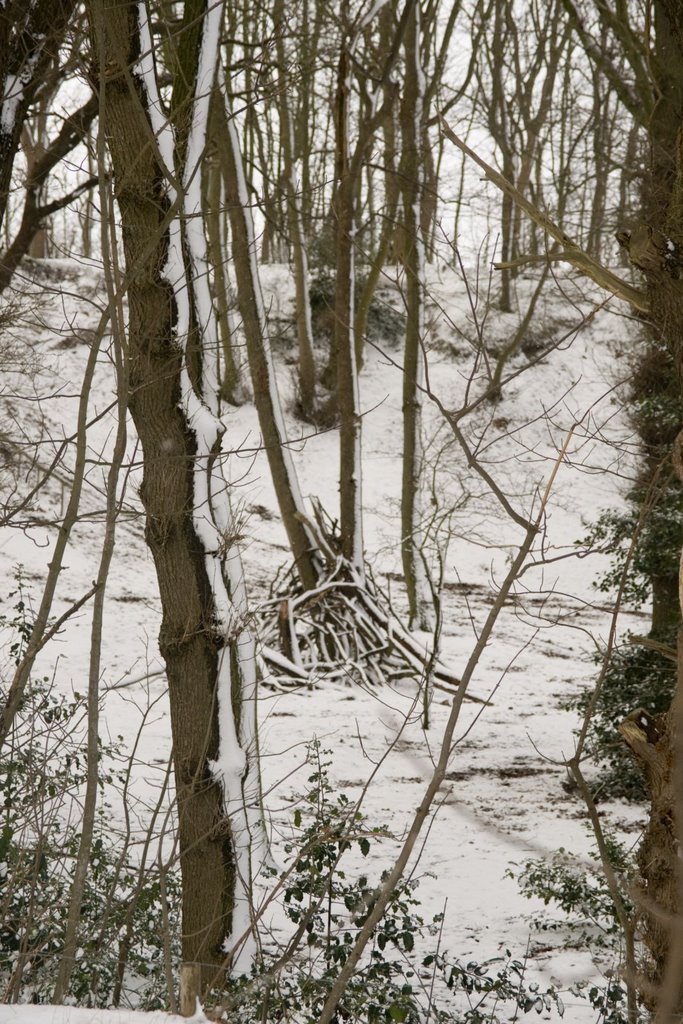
<point>190,988</point>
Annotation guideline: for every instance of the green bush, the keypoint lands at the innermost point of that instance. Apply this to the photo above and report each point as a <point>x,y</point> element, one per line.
<point>644,542</point>
<point>329,908</point>
<point>121,936</point>
<point>589,918</point>
<point>656,552</point>
<point>385,322</point>
<point>644,548</point>
<point>636,677</point>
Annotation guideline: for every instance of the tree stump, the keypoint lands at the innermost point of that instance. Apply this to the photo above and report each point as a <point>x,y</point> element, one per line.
<point>190,988</point>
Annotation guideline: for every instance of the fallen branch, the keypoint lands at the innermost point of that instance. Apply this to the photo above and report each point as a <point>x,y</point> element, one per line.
<point>571,252</point>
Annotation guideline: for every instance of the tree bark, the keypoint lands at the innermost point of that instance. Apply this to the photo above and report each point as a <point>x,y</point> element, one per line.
<point>190,641</point>
<point>412,123</point>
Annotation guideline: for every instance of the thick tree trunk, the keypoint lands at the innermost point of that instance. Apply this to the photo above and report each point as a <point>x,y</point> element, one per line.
<point>190,641</point>
<point>666,612</point>
<point>653,742</point>
<point>655,249</point>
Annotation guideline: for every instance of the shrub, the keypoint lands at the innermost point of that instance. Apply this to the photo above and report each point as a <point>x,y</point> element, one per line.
<point>122,934</point>
<point>399,978</point>
<point>589,918</point>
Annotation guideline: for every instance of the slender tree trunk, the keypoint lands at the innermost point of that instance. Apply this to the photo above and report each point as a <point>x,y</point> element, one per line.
<point>266,396</point>
<point>601,160</point>
<point>34,150</point>
<point>215,217</point>
<point>295,223</point>
<point>348,398</point>
<point>392,197</point>
<point>412,177</point>
<point>348,170</point>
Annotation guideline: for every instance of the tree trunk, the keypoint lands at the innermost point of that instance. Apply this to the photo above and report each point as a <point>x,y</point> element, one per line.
<point>216,228</point>
<point>348,399</point>
<point>266,396</point>
<point>295,224</point>
<point>412,119</point>
<point>193,643</point>
<point>653,743</point>
<point>386,249</point>
<point>656,742</point>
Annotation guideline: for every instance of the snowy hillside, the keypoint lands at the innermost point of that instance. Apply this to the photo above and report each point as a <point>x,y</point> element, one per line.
<point>558,438</point>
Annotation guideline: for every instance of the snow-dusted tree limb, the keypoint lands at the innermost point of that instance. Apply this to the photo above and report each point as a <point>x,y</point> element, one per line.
<point>570,251</point>
<point>174,403</point>
<point>255,327</point>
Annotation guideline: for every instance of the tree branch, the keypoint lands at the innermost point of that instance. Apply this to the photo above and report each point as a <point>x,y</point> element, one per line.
<point>571,252</point>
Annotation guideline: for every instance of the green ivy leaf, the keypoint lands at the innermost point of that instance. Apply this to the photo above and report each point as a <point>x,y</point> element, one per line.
<point>397,1012</point>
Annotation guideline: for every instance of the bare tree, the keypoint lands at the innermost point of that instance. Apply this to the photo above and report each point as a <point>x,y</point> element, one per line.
<point>209,655</point>
<point>36,208</point>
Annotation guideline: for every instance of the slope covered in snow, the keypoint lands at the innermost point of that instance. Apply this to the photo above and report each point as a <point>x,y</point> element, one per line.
<point>557,438</point>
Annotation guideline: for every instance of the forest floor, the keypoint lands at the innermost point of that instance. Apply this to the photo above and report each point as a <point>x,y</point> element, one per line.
<point>506,799</point>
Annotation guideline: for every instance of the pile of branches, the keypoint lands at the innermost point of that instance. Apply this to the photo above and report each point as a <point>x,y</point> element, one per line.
<point>343,629</point>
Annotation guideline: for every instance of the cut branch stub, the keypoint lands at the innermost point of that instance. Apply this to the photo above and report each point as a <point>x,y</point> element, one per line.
<point>652,251</point>
<point>642,733</point>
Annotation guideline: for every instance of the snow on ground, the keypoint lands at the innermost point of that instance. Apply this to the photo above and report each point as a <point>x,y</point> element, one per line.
<point>75,1015</point>
<point>504,800</point>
